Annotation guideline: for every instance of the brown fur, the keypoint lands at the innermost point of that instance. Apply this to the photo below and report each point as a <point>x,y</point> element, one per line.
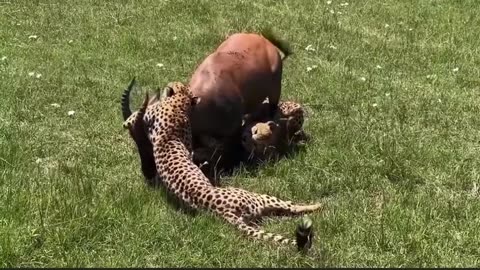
<point>234,80</point>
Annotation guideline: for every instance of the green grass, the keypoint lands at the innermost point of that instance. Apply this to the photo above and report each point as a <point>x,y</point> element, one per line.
<point>394,157</point>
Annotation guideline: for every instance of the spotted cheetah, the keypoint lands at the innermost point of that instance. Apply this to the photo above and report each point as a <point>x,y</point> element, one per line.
<point>265,139</point>
<point>206,151</point>
<point>168,128</point>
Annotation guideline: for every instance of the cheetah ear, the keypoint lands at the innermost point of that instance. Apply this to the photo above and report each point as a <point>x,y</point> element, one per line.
<point>196,100</point>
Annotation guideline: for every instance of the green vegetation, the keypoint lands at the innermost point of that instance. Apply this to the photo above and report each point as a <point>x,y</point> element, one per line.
<point>392,91</point>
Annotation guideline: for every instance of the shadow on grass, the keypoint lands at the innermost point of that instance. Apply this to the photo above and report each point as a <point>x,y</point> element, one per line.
<point>233,159</point>
<point>220,166</point>
<point>236,158</point>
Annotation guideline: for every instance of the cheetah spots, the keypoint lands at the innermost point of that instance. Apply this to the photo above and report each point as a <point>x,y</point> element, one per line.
<point>171,139</point>
<point>277,238</point>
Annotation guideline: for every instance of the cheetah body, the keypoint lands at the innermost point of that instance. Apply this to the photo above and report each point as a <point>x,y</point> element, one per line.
<point>167,126</point>
<point>264,139</point>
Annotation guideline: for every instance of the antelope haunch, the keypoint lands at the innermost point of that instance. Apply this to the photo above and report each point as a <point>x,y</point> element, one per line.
<point>235,80</point>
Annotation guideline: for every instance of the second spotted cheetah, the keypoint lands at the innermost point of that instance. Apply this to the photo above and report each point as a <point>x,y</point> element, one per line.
<point>273,137</point>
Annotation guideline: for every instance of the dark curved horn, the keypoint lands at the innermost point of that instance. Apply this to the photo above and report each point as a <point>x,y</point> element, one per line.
<point>126,100</point>
<point>145,148</point>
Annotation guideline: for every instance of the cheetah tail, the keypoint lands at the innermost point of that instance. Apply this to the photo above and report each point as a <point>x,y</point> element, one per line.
<point>262,235</point>
<point>304,235</point>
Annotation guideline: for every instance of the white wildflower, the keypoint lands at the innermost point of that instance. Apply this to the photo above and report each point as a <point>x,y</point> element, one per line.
<point>344,4</point>
<point>4,58</point>
<point>410,29</point>
<point>363,79</point>
<point>311,68</point>
<point>387,94</point>
<point>387,25</point>
<point>38,161</point>
<point>175,38</point>
<point>439,101</point>
<point>474,189</point>
<point>339,12</point>
<point>379,67</point>
<point>56,105</point>
<point>329,2</point>
<point>33,73</point>
<point>33,37</point>
<point>70,41</point>
<point>332,11</point>
<point>374,104</point>
<point>332,47</point>
<point>160,65</point>
<point>71,113</point>
<point>455,69</point>
<point>309,48</point>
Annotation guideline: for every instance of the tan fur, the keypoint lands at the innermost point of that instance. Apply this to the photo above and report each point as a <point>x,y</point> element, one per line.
<point>234,80</point>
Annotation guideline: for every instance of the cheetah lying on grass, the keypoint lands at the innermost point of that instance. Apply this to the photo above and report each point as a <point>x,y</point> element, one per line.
<point>167,124</point>
<point>271,138</point>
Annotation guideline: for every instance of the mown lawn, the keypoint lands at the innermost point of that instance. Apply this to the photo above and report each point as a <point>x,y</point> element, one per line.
<point>392,91</point>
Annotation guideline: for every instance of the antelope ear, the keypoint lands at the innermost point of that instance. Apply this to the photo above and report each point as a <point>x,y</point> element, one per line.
<point>196,100</point>
<point>167,92</point>
<point>272,125</point>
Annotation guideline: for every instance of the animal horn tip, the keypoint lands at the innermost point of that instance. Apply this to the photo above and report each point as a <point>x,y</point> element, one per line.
<point>125,100</point>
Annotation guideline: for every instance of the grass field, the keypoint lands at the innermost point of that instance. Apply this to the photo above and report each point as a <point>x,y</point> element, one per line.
<point>392,90</point>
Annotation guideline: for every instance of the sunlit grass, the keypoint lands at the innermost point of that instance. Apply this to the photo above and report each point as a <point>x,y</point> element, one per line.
<point>392,91</point>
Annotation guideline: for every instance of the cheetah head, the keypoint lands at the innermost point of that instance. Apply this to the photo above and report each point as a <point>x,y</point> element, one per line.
<point>169,119</point>
<point>259,136</point>
<point>137,126</point>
